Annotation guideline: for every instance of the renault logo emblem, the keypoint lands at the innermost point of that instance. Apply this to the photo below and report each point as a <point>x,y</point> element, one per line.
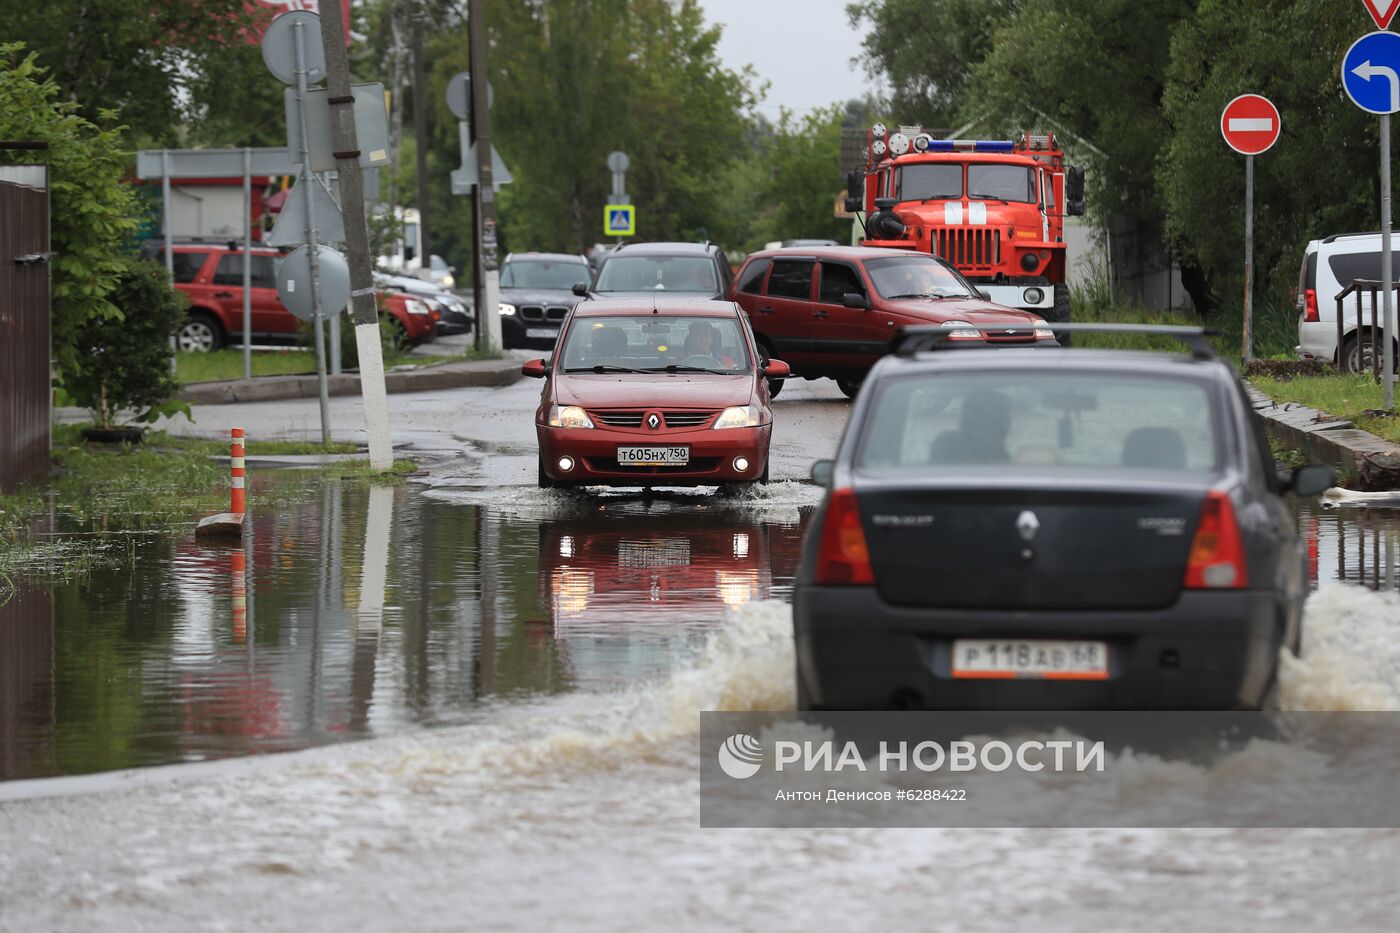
<point>1027,524</point>
<point>653,421</point>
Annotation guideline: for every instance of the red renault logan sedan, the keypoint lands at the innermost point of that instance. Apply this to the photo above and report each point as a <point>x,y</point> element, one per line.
<point>654,392</point>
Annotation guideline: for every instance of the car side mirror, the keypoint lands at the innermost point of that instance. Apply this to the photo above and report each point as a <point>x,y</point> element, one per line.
<point>535,369</point>
<point>1311,480</point>
<point>854,300</point>
<point>777,369</point>
<point>1074,191</point>
<point>821,472</point>
<point>984,294</point>
<point>580,289</point>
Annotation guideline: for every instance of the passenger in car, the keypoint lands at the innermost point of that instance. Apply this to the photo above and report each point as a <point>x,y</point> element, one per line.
<point>983,424</point>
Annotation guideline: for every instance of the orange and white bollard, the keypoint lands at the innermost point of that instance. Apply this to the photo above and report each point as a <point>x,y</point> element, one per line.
<point>237,476</point>
<point>229,523</point>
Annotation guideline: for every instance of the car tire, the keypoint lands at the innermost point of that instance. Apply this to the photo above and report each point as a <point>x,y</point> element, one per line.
<point>1060,313</point>
<point>765,353</point>
<point>849,387</point>
<point>200,333</point>
<point>763,480</point>
<point>543,479</point>
<point>1356,354</point>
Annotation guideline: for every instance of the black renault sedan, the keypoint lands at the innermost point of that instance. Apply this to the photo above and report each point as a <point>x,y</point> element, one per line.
<point>1050,529</point>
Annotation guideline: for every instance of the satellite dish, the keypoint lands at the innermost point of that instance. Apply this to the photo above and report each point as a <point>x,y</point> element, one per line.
<point>899,144</point>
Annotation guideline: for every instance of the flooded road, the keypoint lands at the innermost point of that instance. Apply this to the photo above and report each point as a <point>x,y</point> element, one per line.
<point>523,671</point>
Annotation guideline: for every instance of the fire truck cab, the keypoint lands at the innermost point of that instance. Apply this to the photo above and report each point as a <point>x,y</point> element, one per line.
<point>993,208</point>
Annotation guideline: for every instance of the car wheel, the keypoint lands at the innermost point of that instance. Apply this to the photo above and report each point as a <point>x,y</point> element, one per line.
<point>544,481</point>
<point>1060,313</point>
<point>763,480</point>
<point>850,387</point>
<point>1357,355</point>
<point>764,355</point>
<point>200,333</point>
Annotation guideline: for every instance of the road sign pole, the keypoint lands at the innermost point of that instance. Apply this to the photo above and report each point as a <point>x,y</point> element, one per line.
<point>481,115</point>
<point>169,242</point>
<point>1247,339</point>
<point>1387,280</point>
<point>307,179</point>
<point>247,263</point>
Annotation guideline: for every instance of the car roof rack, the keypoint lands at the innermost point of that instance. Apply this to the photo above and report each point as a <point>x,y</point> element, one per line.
<point>909,341</point>
<point>1342,236</point>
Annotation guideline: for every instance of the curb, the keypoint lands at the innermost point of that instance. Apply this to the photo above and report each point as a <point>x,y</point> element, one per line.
<point>1366,461</point>
<point>462,374</point>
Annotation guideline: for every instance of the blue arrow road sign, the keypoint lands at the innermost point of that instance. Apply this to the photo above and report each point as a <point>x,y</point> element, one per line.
<point>1371,72</point>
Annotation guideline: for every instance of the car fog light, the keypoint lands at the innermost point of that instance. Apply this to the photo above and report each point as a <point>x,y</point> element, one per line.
<point>566,464</point>
<point>1030,262</point>
<point>741,463</point>
<point>1033,296</point>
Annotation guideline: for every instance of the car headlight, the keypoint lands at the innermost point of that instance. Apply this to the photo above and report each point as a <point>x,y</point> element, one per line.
<point>506,309</point>
<point>1033,296</point>
<point>448,280</point>
<point>1043,331</point>
<point>568,416</point>
<point>740,416</point>
<point>414,306</point>
<point>965,331</point>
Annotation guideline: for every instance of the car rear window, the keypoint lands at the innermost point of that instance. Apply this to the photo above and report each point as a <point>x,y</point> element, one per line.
<point>658,273</point>
<point>187,265</point>
<point>791,278</point>
<point>1348,267</point>
<point>1047,422</point>
<point>752,281</point>
<point>263,271</point>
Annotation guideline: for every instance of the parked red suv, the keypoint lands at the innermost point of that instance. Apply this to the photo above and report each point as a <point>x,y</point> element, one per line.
<point>832,310</point>
<point>211,276</point>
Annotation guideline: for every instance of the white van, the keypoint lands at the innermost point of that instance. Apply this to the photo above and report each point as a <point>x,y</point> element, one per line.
<point>1329,266</point>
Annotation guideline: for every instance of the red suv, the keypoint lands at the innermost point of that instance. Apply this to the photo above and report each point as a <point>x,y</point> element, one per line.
<point>211,277</point>
<point>832,310</point>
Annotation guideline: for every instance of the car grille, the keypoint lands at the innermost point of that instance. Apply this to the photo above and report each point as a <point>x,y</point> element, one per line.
<point>552,313</point>
<point>1009,336</point>
<point>970,248</point>
<point>671,419</point>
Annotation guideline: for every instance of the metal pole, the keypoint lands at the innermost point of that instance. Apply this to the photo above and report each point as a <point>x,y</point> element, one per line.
<point>1387,281</point>
<point>364,307</point>
<point>420,133</point>
<point>481,125</point>
<point>169,240</point>
<point>334,321</point>
<point>1247,339</point>
<point>313,248</point>
<point>247,263</point>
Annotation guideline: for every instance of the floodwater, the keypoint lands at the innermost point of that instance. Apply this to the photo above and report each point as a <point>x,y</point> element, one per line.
<point>558,787</point>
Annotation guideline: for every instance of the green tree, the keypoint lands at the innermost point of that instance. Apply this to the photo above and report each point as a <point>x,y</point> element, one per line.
<point>806,160</point>
<point>92,213</point>
<point>145,60</point>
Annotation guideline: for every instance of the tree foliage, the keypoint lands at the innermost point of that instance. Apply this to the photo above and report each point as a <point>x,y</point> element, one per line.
<point>92,213</point>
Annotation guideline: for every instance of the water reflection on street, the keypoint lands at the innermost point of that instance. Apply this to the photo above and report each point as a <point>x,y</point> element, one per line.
<point>366,610</point>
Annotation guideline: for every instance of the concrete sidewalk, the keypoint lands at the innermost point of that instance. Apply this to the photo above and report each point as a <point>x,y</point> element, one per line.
<point>463,373</point>
<point>1368,462</point>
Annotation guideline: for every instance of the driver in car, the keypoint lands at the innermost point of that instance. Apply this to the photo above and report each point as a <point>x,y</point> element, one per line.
<point>700,341</point>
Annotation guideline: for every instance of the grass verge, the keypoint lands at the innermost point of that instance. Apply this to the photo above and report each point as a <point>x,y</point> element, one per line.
<point>1354,397</point>
<point>100,497</point>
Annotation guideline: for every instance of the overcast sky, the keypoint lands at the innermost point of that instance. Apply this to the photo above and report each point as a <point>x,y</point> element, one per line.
<point>802,48</point>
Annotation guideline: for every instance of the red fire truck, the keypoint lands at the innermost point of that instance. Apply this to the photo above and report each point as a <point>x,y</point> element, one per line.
<point>993,208</point>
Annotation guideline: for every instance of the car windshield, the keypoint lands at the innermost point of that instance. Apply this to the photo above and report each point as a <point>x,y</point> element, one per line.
<point>658,273</point>
<point>916,276</point>
<point>1046,421</point>
<point>1000,183</point>
<point>537,273</point>
<point>930,181</point>
<point>656,343</point>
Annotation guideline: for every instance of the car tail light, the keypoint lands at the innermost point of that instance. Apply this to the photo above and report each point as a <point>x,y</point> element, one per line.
<point>843,557</point>
<point>1310,314</point>
<point>1217,560</point>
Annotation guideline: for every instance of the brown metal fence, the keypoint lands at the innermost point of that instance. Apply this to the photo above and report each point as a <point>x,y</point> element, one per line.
<point>25,393</point>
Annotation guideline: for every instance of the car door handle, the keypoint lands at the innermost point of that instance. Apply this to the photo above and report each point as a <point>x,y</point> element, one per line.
<point>820,314</point>
<point>765,310</point>
<point>223,294</point>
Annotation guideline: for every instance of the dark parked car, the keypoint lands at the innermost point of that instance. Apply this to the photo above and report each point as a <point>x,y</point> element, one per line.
<point>688,270</point>
<point>830,311</point>
<point>1056,529</point>
<point>536,296</point>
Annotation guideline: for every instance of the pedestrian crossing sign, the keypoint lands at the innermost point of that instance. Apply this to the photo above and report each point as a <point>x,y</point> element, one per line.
<point>619,220</point>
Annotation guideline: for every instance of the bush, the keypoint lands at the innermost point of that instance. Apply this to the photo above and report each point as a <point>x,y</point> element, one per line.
<point>349,351</point>
<point>126,357</point>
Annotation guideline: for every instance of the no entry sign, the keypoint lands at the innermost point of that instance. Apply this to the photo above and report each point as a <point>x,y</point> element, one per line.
<point>1250,124</point>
